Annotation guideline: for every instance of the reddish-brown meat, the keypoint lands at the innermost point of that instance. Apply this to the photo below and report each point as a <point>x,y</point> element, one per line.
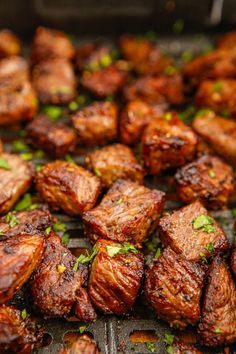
<point>115,162</point>
<point>15,179</point>
<point>17,336</point>
<point>179,347</point>
<point>173,288</point>
<point>9,44</point>
<point>56,284</point>
<point>19,256</point>
<point>115,279</point>
<point>67,186</point>
<point>161,89</point>
<point>55,138</point>
<point>12,69</point>
<point>218,132</point>
<point>218,321</point>
<point>83,345</point>
<point>51,44</point>
<point>135,116</point>
<point>179,232</point>
<point>54,81</point>
<point>106,81</point>
<point>227,41</point>
<point>127,213</point>
<point>167,143</point>
<point>208,179</point>
<point>233,260</point>
<point>96,124</point>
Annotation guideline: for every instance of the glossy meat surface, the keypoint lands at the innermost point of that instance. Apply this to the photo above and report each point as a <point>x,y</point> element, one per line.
<point>127,213</point>
<point>14,181</point>
<point>9,44</point>
<point>167,143</point>
<point>208,179</point>
<point>55,138</point>
<point>173,289</point>
<point>177,230</point>
<point>123,273</point>
<point>96,124</point>
<point>83,345</point>
<point>218,321</point>
<point>19,257</point>
<point>115,162</point>
<point>67,186</point>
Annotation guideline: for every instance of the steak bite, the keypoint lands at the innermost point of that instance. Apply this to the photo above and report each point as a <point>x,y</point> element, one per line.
<point>173,289</point>
<point>67,186</point>
<point>13,69</point>
<point>193,233</point>
<point>218,320</point>
<point>16,176</point>
<point>51,44</point>
<point>54,81</point>
<point>56,285</point>
<point>83,345</point>
<point>208,179</point>
<point>19,256</point>
<point>106,81</point>
<point>219,133</point>
<point>17,335</point>
<point>115,162</point>
<point>115,277</point>
<point>167,143</point>
<point>154,90</point>
<point>56,138</point>
<point>9,44</point>
<point>96,124</point>
<point>233,261</point>
<point>135,116</point>
<point>127,213</point>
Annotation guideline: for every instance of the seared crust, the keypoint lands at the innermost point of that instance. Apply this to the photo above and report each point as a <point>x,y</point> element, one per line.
<point>233,261</point>
<point>17,335</point>
<point>195,181</point>
<point>83,345</point>
<point>19,257</point>
<point>218,321</point>
<point>127,213</point>
<point>123,273</point>
<point>96,124</point>
<point>56,290</point>
<point>9,44</point>
<point>15,181</point>
<point>178,232</point>
<point>56,138</point>
<point>173,289</point>
<point>219,133</point>
<point>115,162</point>
<point>67,186</point>
<point>155,90</point>
<point>167,144</point>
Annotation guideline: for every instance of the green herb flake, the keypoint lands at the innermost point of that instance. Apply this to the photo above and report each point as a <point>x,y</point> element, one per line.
<point>123,248</point>
<point>24,314</point>
<point>211,173</point>
<point>48,230</point>
<point>169,338</point>
<point>53,112</point>
<point>151,35</point>
<point>169,349</point>
<point>97,172</point>
<point>65,238</point>
<point>82,259</point>
<point>110,98</point>
<point>158,253</point>
<point>171,70</point>
<point>68,158</point>
<point>113,250</point>
<point>11,220</point>
<point>24,204</point>
<point>205,223</point>
<point>27,156</point>
<point>58,226</point>
<point>217,330</point>
<point>204,112</point>
<point>106,60</point>
<point>168,116</point>
<point>39,154</point>
<point>61,89</point>
<point>187,56</point>
<point>233,211</point>
<point>217,87</point>
<point>203,258</point>
<point>119,201</point>
<point>178,26</point>
<point>38,167</point>
<point>81,100</point>
<point>73,106</point>
<point>151,246</point>
<point>4,164</point>
<point>2,233</point>
<point>151,347</point>
<point>210,247</point>
<point>20,146</point>
<point>82,329</point>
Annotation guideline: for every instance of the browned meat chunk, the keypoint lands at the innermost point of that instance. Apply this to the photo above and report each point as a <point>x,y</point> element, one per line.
<point>146,58</point>
<point>135,117</point>
<point>115,162</point>
<point>173,288</point>
<point>56,138</point>
<point>167,143</point>
<point>57,282</point>
<point>218,95</point>
<point>9,44</point>
<point>30,221</point>
<point>233,261</point>
<point>227,41</point>
<point>192,232</point>
<point>93,56</point>
<point>162,89</point>
<point>96,124</point>
<point>219,132</point>
<point>15,178</point>
<point>54,81</point>
<point>115,277</point>
<point>208,179</point>
<point>106,81</point>
<point>218,321</point>
<point>127,213</point>
<point>83,345</point>
<point>184,348</point>
<point>19,256</point>
<point>17,335</point>
<point>13,69</point>
<point>67,186</point>
<point>51,44</point>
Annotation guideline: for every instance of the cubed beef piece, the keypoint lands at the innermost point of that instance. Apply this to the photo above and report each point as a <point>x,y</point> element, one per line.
<point>9,44</point>
<point>83,345</point>
<point>127,213</point>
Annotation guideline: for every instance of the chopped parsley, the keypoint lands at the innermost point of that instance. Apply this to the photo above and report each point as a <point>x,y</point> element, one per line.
<point>39,154</point>
<point>171,70</point>
<point>110,98</point>
<point>97,172</point>
<point>151,347</point>
<point>187,56</point>
<point>217,330</point>
<point>11,220</point>
<point>217,87</point>
<point>123,248</point>
<point>210,247</point>
<point>4,164</point>
<point>58,226</point>
<point>48,230</point>
<point>27,156</point>
<point>105,60</point>
<point>168,116</point>
<point>65,239</point>
<point>82,329</point>
<point>211,173</point>
<point>73,106</point>
<point>203,112</point>
<point>178,26</point>
<point>38,167</point>
<point>68,158</point>
<point>169,340</point>
<point>119,201</point>
<point>82,259</point>
<point>24,314</point>
<point>205,223</point>
<point>203,258</point>
<point>158,253</point>
<point>19,146</point>
<point>2,233</point>
<point>53,112</point>
<point>25,203</point>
